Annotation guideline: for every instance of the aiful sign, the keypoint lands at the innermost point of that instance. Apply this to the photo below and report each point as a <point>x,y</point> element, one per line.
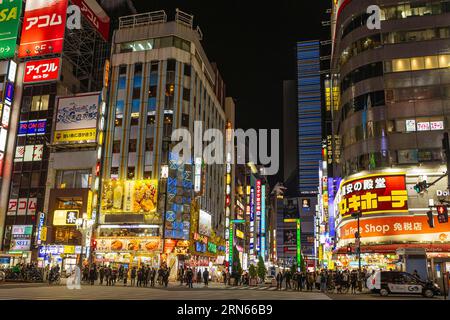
<point>374,193</point>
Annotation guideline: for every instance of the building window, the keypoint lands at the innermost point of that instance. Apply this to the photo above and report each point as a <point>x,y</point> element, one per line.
<point>116,147</point>
<point>73,179</point>
<point>40,103</point>
<point>132,145</point>
<point>149,144</point>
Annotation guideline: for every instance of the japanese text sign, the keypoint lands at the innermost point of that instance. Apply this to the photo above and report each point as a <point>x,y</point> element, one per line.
<point>43,27</point>
<point>374,193</point>
<point>42,70</point>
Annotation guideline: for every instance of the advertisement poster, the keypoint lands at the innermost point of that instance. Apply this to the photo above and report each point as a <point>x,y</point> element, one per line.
<point>128,244</point>
<point>291,210</point>
<point>139,196</point>
<point>10,12</point>
<point>374,193</point>
<point>29,153</point>
<point>204,223</point>
<point>43,27</point>
<point>76,118</point>
<point>32,127</point>
<point>42,70</point>
<point>290,236</point>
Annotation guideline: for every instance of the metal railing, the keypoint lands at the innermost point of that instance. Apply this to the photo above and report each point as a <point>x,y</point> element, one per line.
<point>142,19</point>
<point>184,18</point>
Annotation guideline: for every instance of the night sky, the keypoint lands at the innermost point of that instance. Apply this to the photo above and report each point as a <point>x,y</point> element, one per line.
<point>253,43</point>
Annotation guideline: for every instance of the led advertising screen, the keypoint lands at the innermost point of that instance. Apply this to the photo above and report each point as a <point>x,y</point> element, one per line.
<point>76,118</point>
<point>9,27</point>
<point>32,127</point>
<point>42,70</point>
<point>43,27</point>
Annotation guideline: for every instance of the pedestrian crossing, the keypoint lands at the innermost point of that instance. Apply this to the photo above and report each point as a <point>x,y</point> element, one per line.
<point>251,288</point>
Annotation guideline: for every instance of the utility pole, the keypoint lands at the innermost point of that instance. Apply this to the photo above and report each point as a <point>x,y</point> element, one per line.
<point>357,215</point>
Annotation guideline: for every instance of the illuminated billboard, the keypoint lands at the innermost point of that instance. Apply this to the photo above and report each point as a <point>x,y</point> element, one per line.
<point>394,228</point>
<point>9,27</point>
<point>138,196</point>
<point>43,27</point>
<point>42,70</point>
<point>76,118</point>
<point>204,223</point>
<point>65,217</point>
<point>376,193</point>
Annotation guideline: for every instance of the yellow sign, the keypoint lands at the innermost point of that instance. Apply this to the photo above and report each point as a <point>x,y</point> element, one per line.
<point>290,220</point>
<point>75,135</point>
<point>43,234</point>
<point>89,205</point>
<point>69,249</point>
<point>65,217</point>
<point>106,73</point>
<point>239,234</point>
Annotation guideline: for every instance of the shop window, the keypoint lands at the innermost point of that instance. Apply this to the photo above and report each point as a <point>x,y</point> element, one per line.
<point>130,172</point>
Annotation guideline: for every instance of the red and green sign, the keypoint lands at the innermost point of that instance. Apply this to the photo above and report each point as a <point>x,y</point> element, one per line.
<point>9,25</point>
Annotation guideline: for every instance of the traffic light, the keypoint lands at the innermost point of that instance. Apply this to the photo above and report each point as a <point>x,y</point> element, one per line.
<point>349,249</point>
<point>442,213</point>
<point>430,219</point>
<point>421,186</point>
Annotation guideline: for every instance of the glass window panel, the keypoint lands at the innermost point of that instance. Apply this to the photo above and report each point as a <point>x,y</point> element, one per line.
<point>431,62</point>
<point>122,82</point>
<point>417,63</point>
<point>119,106</point>
<point>135,105</point>
<point>401,65</point>
<point>444,60</point>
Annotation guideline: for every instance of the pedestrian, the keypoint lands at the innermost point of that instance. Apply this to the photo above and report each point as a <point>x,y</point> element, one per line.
<point>92,272</point>
<point>125,277</point>
<point>107,275</point>
<point>139,277</point>
<point>189,276</point>
<point>323,281</point>
<point>288,279</point>
<point>153,277</point>
<point>166,277</point>
<point>120,272</point>
<point>199,276</point>
<point>279,280</point>
<point>224,275</point>
<point>113,276</point>
<point>133,276</point>
<point>354,281</point>
<point>317,280</point>
<point>310,281</point>
<point>147,276</point>
<point>300,281</point>
<point>416,274</point>
<point>206,276</point>
<point>102,274</point>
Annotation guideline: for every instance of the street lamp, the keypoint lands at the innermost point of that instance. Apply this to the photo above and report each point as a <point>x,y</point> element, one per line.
<point>84,226</point>
<point>357,215</point>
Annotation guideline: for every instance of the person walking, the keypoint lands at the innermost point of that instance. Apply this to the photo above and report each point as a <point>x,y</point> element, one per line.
<point>354,281</point>
<point>206,276</point>
<point>133,276</point>
<point>166,277</point>
<point>121,272</point>
<point>318,280</point>
<point>310,281</point>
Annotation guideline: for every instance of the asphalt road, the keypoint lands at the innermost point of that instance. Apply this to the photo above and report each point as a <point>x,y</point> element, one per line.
<point>29,291</point>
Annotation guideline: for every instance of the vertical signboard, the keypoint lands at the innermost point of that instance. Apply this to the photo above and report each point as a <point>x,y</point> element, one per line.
<point>252,220</point>
<point>10,11</point>
<point>263,221</point>
<point>43,27</point>
<point>299,245</point>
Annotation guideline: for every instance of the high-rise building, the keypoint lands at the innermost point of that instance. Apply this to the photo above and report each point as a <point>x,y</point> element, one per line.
<point>161,80</point>
<point>47,181</point>
<point>309,115</point>
<point>391,118</point>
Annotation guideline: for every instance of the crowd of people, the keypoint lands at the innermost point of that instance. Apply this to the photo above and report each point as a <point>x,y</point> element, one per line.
<point>340,281</point>
<point>143,276</point>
